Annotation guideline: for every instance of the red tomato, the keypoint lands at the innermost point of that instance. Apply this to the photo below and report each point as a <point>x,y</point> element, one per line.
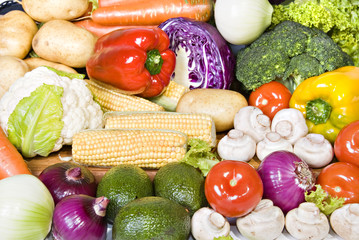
<point>341,179</point>
<point>270,98</point>
<point>346,145</point>
<point>233,188</point>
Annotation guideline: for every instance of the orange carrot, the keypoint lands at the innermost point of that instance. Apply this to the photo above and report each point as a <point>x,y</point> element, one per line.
<point>149,12</point>
<point>11,161</point>
<point>100,30</point>
<point>107,3</point>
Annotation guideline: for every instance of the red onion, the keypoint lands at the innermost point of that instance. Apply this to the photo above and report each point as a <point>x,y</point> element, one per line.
<point>80,217</point>
<point>67,178</point>
<point>285,179</point>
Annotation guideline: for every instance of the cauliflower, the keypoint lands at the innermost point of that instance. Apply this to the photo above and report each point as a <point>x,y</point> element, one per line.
<point>79,111</point>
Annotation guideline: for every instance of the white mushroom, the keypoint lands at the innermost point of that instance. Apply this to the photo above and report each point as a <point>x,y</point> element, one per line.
<point>265,222</point>
<point>236,146</point>
<point>252,122</point>
<point>345,221</point>
<point>290,124</point>
<point>207,224</point>
<point>315,150</point>
<point>307,222</point>
<point>272,142</point>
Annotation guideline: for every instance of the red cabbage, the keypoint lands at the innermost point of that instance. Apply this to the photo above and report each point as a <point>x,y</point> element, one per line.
<point>210,59</point>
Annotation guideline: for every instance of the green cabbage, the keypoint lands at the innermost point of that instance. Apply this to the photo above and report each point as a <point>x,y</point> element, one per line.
<point>36,123</point>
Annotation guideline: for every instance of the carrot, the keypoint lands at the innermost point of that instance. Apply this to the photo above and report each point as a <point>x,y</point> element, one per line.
<point>149,12</point>
<point>100,30</point>
<point>11,161</point>
<point>107,3</point>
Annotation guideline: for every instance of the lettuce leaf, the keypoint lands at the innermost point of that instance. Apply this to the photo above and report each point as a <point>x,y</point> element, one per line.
<point>200,155</point>
<point>223,238</point>
<point>36,123</point>
<point>326,203</point>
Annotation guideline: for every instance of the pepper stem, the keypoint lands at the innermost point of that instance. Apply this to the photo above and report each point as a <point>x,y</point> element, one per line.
<point>318,111</point>
<point>154,62</point>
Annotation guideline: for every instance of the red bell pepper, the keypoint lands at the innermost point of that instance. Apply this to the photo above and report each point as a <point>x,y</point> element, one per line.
<point>136,61</point>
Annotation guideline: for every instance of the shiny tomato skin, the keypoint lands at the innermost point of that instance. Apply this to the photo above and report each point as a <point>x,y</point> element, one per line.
<point>233,188</point>
<point>346,145</point>
<point>341,179</point>
<point>270,98</point>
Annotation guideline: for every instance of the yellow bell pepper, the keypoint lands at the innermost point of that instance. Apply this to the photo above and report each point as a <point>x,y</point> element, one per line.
<point>329,101</point>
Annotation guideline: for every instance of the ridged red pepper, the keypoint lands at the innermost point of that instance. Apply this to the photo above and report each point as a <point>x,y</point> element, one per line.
<point>136,61</point>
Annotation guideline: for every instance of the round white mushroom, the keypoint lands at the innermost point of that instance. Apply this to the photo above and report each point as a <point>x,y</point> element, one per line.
<point>345,221</point>
<point>265,222</point>
<point>307,222</point>
<point>315,150</point>
<point>272,142</point>
<point>207,224</point>
<point>236,146</point>
<point>290,124</point>
<point>252,122</point>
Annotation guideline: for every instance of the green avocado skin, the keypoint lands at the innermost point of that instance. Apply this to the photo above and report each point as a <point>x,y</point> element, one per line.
<point>152,218</point>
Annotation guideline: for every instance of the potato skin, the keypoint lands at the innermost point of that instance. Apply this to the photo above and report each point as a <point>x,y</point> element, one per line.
<point>221,104</point>
<point>63,42</point>
<point>11,68</point>
<point>36,62</point>
<point>46,10</point>
<point>17,30</point>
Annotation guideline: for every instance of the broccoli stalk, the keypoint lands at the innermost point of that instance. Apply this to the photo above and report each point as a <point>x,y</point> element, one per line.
<point>289,53</point>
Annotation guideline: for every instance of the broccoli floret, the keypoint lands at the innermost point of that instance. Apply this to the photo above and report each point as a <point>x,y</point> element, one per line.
<point>338,18</point>
<point>290,53</point>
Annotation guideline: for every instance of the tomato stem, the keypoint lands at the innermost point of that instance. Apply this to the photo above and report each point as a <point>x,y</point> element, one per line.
<point>233,182</point>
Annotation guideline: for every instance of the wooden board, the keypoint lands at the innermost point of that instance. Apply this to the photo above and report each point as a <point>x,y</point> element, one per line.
<point>38,164</point>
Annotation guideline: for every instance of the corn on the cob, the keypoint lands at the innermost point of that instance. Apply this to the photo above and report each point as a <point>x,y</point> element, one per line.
<point>170,97</point>
<point>111,99</point>
<point>147,148</point>
<point>194,125</point>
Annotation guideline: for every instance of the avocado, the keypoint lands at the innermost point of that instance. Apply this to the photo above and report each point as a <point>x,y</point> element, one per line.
<point>152,218</point>
<point>123,184</point>
<point>182,183</point>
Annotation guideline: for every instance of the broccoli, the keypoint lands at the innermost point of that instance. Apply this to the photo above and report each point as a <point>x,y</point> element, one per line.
<point>288,53</point>
<point>338,18</point>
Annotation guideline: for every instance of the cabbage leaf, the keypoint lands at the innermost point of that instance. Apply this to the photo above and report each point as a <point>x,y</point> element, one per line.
<point>36,123</point>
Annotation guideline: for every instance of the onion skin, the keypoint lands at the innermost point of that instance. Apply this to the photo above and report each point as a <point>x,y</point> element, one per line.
<point>80,217</point>
<point>285,179</point>
<point>68,178</point>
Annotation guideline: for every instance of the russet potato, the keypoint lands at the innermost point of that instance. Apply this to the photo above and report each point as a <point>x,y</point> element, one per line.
<point>46,10</point>
<point>221,104</point>
<point>16,30</point>
<point>11,68</point>
<point>63,42</point>
<point>36,62</point>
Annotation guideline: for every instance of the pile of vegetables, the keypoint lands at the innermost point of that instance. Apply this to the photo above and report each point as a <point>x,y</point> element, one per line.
<point>278,78</point>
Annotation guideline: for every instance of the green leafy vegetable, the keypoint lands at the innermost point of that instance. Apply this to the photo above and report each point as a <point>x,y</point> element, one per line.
<point>326,203</point>
<point>223,238</point>
<point>36,123</point>
<point>67,74</point>
<point>338,18</point>
<point>200,155</point>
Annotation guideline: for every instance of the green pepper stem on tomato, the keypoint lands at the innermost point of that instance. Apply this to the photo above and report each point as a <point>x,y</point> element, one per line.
<point>136,61</point>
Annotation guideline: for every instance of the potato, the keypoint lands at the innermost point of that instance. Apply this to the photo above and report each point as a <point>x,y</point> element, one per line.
<point>11,68</point>
<point>16,30</point>
<point>35,62</point>
<point>63,42</point>
<point>221,104</point>
<point>46,10</point>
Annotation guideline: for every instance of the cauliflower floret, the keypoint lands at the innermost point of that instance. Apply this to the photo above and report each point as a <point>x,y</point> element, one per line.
<point>80,111</point>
